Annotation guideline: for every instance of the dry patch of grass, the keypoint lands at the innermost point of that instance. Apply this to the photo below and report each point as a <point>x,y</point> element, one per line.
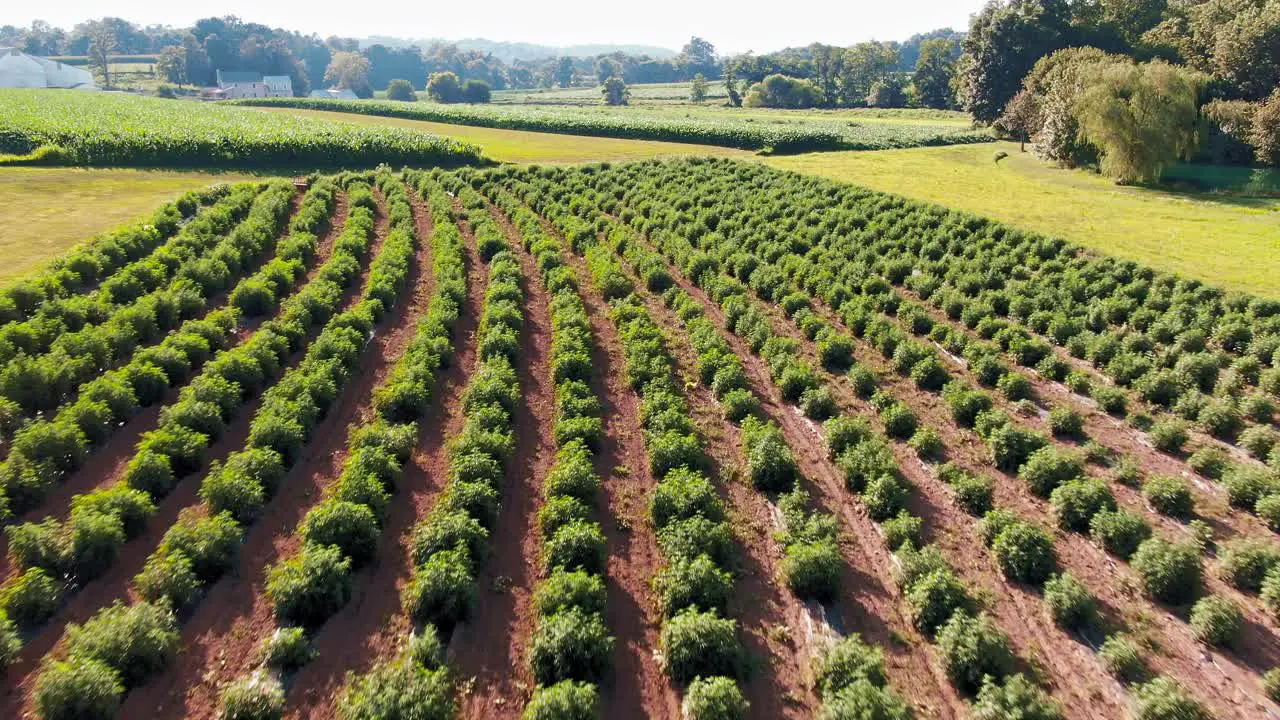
<point>46,211</point>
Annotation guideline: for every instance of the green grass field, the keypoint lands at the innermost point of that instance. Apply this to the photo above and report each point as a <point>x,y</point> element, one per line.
<point>45,211</point>
<point>519,146</point>
<point>1230,242</point>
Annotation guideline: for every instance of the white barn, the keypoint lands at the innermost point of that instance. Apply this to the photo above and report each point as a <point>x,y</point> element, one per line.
<point>20,70</point>
<point>335,94</point>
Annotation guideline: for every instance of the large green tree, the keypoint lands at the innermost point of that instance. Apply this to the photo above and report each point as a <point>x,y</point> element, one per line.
<point>350,71</point>
<point>935,70</point>
<point>1005,40</point>
<point>1142,118</point>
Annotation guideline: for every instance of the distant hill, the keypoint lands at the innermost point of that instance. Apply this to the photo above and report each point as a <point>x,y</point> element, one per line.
<point>508,51</point>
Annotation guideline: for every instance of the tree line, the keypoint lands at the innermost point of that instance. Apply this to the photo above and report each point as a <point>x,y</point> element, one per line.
<point>191,56</point>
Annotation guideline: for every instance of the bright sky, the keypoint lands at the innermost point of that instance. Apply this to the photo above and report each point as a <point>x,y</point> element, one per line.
<point>732,26</point>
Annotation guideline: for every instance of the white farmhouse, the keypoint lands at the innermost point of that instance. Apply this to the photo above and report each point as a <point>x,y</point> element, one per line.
<point>253,85</point>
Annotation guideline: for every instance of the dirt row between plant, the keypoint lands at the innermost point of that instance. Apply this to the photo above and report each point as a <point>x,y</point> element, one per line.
<point>1211,500</point>
<point>490,649</point>
<point>1227,686</point>
<point>221,640</point>
<point>373,625</point>
<point>105,462</point>
<point>1259,648</point>
<point>775,627</point>
<point>1077,678</point>
<point>640,689</point>
<point>875,608</point>
<point>115,584</point>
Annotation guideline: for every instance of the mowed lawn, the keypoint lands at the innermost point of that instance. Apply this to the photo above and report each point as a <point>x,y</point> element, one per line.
<point>46,211</point>
<point>1230,242</point>
<point>520,146</point>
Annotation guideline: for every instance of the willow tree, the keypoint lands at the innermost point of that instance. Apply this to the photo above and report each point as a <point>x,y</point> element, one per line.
<point>1142,118</point>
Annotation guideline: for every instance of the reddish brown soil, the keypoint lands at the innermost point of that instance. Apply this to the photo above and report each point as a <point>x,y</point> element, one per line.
<point>775,624</point>
<point>222,638</point>
<point>871,604</point>
<point>1231,691</point>
<point>372,627</point>
<point>1077,678</point>
<point>490,651</point>
<point>1211,501</point>
<point>639,689</point>
<point>18,680</point>
<point>107,462</point>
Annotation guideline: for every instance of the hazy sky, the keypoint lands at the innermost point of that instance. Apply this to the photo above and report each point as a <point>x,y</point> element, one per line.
<point>732,26</point>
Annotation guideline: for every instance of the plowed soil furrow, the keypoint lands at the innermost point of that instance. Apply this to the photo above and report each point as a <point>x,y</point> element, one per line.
<point>107,462</point>
<point>19,679</point>
<point>1079,677</point>
<point>220,641</point>
<point>1211,499</point>
<point>492,646</point>
<point>871,605</point>
<point>1181,654</point>
<point>774,625</point>
<point>373,625</point>
<point>639,689</point>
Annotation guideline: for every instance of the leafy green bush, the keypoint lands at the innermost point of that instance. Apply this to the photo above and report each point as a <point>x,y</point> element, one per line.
<point>1049,467</point>
<point>1170,573</point>
<point>1209,461</point>
<point>1216,620</point>
<point>30,598</point>
<point>933,598</point>
<point>1076,502</point>
<point>287,649</point>
<point>567,589</point>
<point>1122,659</point>
<point>899,422</point>
<point>351,528</point>
<point>167,578</point>
<point>442,592</point>
<point>1169,436</point>
<point>689,582</point>
<point>1014,699</point>
<point>714,698</point>
<point>862,700</point>
<point>577,545</point>
<point>812,569</point>
<point>10,643</point>
<point>884,497</point>
<point>1120,532</point>
<point>1025,553</point>
<point>78,689</point>
<point>570,645</point>
<point>256,697</point>
<point>846,662</point>
<point>210,543</point>
<point>696,643</point>
<point>1164,699</point>
<point>973,649</point>
<point>1244,563</point>
<point>311,586</point>
<point>565,700</point>
<point>398,689</point>
<point>1169,496</point>
<point>927,443</point>
<point>1071,605</point>
<point>903,528</point>
<point>136,640</point>
<point>1066,422</point>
